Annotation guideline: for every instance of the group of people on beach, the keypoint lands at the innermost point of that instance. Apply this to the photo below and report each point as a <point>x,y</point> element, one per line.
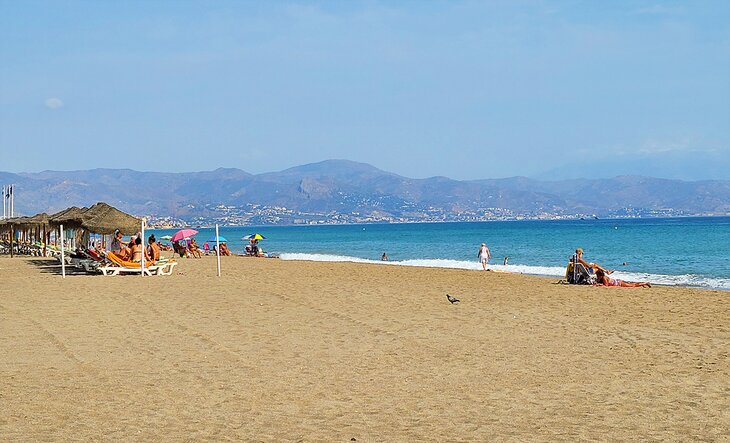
<point>191,249</point>
<point>601,274</point>
<point>133,251</point>
<point>188,248</point>
<point>253,249</point>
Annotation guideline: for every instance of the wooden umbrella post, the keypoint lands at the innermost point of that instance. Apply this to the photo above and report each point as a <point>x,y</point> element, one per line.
<point>63,258</point>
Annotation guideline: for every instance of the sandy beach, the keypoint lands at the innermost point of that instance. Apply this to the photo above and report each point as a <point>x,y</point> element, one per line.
<point>309,351</point>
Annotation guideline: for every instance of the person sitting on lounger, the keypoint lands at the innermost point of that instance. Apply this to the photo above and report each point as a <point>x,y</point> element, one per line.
<point>116,244</point>
<point>154,249</point>
<point>194,249</point>
<point>125,253</point>
<point>604,280</point>
<point>137,251</point>
<point>592,266</point>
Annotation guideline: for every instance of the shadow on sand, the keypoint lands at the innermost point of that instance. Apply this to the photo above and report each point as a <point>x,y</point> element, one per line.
<point>53,266</point>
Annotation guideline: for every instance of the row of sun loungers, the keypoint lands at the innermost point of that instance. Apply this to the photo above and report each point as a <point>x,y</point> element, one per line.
<point>111,264</point>
<point>91,262</point>
<point>118,266</point>
<point>33,249</point>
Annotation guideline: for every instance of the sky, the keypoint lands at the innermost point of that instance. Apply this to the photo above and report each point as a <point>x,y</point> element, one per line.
<point>463,89</point>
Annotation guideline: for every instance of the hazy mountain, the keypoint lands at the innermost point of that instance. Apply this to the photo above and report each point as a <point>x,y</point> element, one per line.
<point>341,186</point>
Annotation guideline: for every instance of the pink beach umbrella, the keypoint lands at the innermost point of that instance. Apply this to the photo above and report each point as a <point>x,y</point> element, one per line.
<point>183,233</point>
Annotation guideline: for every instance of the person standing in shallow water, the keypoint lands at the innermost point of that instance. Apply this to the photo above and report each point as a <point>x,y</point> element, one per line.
<point>484,255</point>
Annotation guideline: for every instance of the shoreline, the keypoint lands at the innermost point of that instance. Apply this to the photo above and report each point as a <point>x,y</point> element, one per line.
<point>472,266</point>
<point>610,241</point>
<point>322,351</point>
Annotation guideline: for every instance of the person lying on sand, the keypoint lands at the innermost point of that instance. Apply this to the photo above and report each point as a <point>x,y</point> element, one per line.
<point>604,280</point>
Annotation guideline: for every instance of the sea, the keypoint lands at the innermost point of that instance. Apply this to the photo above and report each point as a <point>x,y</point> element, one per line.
<point>688,251</point>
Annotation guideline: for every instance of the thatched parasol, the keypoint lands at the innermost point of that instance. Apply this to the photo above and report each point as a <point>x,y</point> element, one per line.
<point>38,219</point>
<point>70,217</point>
<point>13,221</point>
<point>104,219</point>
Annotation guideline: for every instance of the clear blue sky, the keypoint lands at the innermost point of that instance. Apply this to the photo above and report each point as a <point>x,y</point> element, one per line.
<point>481,89</point>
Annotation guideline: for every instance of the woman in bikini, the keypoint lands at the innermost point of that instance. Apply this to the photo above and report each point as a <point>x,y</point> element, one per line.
<point>604,280</point>
<point>137,252</point>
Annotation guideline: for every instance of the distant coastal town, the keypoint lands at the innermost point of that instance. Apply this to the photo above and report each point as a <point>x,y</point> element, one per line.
<point>252,214</point>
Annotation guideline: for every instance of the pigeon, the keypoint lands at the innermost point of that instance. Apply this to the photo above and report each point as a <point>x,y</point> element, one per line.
<point>452,299</point>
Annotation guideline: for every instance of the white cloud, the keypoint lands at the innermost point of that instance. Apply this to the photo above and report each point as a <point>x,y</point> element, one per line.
<point>54,103</point>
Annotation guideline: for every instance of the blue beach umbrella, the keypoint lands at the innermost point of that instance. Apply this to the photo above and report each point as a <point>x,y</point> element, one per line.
<point>220,239</point>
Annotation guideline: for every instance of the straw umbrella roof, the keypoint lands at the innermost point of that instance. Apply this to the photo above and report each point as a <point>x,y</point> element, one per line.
<point>14,221</point>
<point>105,219</point>
<point>70,217</point>
<point>100,218</point>
<point>38,219</point>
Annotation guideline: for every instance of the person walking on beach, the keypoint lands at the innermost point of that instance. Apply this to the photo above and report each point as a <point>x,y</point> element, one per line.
<point>484,255</point>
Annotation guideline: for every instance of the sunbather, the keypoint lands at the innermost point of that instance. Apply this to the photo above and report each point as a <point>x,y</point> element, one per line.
<point>225,250</point>
<point>137,251</point>
<point>125,253</point>
<point>116,244</point>
<point>194,249</point>
<point>154,249</point>
<point>592,266</point>
<point>604,280</point>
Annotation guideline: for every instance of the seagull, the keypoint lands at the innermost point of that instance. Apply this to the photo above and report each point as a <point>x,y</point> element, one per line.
<point>452,299</point>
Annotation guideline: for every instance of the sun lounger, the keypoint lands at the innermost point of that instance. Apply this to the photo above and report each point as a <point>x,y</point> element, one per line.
<point>166,268</point>
<point>119,266</point>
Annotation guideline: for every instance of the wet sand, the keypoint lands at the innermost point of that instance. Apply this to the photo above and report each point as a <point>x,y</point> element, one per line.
<point>302,351</point>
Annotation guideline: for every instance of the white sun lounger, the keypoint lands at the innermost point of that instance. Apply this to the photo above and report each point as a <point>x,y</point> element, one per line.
<point>118,270</point>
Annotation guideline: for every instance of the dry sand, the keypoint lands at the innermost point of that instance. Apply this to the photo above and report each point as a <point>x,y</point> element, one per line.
<point>303,351</point>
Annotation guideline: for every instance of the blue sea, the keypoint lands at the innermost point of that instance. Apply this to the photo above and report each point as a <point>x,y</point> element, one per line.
<point>670,251</point>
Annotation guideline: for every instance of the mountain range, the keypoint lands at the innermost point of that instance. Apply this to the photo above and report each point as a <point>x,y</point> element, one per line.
<point>346,187</point>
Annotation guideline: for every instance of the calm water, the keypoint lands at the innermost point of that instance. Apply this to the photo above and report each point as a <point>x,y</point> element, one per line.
<point>676,251</point>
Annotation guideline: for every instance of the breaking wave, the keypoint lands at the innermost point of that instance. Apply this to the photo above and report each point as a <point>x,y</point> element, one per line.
<point>691,280</point>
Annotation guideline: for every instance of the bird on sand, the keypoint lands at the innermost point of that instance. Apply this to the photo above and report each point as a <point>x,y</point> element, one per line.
<point>452,299</point>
